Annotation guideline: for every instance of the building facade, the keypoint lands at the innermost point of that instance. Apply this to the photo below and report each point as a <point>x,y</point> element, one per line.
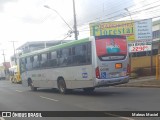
<point>147,60</point>
<point>32,46</point>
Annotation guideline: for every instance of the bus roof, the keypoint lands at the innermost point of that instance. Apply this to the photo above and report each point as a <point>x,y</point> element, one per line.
<point>56,47</point>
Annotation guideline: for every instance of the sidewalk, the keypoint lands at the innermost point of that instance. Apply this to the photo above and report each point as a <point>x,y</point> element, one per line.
<point>148,81</point>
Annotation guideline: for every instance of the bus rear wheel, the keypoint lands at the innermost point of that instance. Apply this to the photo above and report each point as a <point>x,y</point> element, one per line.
<point>62,86</point>
<point>89,90</point>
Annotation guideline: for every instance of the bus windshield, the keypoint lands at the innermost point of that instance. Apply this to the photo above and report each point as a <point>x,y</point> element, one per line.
<point>111,48</point>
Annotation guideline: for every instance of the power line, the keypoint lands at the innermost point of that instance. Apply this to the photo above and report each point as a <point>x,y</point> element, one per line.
<point>118,12</point>
<point>132,22</point>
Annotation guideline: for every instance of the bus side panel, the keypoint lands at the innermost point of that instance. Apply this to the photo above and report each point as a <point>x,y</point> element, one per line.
<point>82,77</point>
<point>75,77</point>
<point>50,76</point>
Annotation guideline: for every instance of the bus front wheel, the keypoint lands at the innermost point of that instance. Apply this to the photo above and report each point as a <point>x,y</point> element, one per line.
<point>32,87</point>
<point>30,83</point>
<point>62,86</point>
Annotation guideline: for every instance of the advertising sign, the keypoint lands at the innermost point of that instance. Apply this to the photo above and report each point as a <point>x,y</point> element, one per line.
<point>140,46</point>
<point>143,29</point>
<point>133,30</point>
<point>111,48</point>
<point>126,28</point>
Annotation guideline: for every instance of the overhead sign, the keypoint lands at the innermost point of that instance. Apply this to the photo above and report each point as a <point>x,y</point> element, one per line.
<point>133,30</point>
<point>140,46</point>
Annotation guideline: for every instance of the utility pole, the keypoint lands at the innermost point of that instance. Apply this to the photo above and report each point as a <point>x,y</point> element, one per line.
<point>4,60</point>
<point>130,54</point>
<point>75,21</point>
<point>3,56</point>
<point>15,59</point>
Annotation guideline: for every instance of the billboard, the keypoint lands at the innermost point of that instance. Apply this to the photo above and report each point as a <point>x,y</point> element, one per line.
<point>140,46</point>
<point>143,29</point>
<point>133,30</point>
<point>126,28</point>
<point>111,47</point>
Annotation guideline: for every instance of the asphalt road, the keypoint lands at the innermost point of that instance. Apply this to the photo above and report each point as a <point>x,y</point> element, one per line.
<point>15,97</point>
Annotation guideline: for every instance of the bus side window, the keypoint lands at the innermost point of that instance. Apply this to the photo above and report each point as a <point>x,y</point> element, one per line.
<point>73,50</point>
<point>59,53</point>
<point>65,56</point>
<point>22,65</point>
<point>89,53</point>
<point>74,56</point>
<point>31,60</point>
<point>43,62</point>
<point>40,57</point>
<point>53,61</point>
<point>25,60</point>
<point>28,63</point>
<point>49,55</point>
<point>80,54</point>
<point>35,62</point>
<point>69,60</point>
<point>84,54</point>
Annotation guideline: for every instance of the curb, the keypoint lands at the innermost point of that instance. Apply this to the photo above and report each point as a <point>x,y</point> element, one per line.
<point>142,82</point>
<point>148,86</point>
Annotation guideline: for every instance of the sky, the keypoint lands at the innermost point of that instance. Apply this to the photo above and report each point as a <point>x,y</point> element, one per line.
<point>28,20</point>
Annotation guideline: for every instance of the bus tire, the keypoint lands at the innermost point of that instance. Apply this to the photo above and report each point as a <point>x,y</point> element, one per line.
<point>61,86</point>
<point>30,83</point>
<point>89,90</point>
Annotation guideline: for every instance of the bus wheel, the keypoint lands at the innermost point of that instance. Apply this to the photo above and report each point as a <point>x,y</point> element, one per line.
<point>62,86</point>
<point>30,83</point>
<point>89,90</point>
<point>33,88</point>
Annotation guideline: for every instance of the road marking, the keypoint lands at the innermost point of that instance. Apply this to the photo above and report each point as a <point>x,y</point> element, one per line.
<point>49,98</point>
<point>1,118</point>
<point>18,91</point>
<point>126,118</point>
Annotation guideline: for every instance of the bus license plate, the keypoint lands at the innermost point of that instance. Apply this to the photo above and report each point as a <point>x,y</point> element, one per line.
<point>114,75</point>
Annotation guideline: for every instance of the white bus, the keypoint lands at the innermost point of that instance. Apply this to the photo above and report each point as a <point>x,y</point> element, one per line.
<point>87,64</point>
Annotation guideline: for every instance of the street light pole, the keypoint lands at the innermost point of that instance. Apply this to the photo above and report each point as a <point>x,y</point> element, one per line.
<point>46,6</point>
<point>75,31</point>
<point>75,21</point>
